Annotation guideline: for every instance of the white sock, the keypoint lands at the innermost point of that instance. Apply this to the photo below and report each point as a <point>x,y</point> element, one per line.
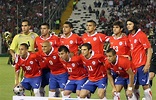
<point>67,96</point>
<point>116,96</point>
<point>78,97</point>
<point>133,97</point>
<point>137,93</point>
<point>104,98</point>
<point>51,94</point>
<point>148,94</point>
<point>42,92</point>
<point>37,92</point>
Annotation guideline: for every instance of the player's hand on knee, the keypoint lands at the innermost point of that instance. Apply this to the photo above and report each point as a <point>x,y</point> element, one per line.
<point>129,93</point>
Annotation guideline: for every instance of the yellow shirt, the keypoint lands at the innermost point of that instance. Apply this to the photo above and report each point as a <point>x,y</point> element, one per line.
<point>22,38</point>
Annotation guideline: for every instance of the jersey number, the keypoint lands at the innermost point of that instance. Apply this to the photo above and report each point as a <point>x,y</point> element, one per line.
<point>90,68</point>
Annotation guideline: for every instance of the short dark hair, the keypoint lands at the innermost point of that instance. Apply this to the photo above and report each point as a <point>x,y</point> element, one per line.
<point>118,23</point>
<point>25,20</point>
<point>92,21</point>
<point>69,23</point>
<point>46,24</point>
<point>63,48</point>
<point>25,45</point>
<point>88,45</point>
<point>111,50</point>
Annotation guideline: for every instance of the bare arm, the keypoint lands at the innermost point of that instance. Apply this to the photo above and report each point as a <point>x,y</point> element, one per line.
<point>17,77</point>
<point>111,80</point>
<point>12,54</point>
<point>131,81</point>
<point>149,55</point>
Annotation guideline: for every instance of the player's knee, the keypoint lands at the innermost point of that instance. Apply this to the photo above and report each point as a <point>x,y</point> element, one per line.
<point>101,95</point>
<point>83,95</point>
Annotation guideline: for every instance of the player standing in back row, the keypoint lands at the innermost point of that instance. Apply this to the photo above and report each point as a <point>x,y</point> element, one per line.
<point>94,38</point>
<point>141,53</point>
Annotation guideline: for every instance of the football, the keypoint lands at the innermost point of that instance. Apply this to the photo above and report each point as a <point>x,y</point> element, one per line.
<point>18,90</point>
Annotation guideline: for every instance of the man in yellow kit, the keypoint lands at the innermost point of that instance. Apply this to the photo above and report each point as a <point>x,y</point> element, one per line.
<point>24,37</point>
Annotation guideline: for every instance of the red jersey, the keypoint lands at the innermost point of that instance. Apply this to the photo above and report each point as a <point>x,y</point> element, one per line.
<point>72,42</point>
<point>95,67</point>
<point>30,65</point>
<point>139,43</point>
<point>75,68</point>
<point>96,40</point>
<point>52,61</point>
<point>54,40</point>
<point>121,45</point>
<point>121,66</point>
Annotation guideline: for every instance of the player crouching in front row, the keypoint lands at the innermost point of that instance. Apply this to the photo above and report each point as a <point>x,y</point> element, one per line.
<point>30,65</point>
<point>126,74</point>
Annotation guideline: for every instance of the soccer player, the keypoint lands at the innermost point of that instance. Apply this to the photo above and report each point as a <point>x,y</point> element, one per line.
<point>54,40</point>
<point>141,53</point>
<point>58,74</point>
<point>94,38</point>
<point>119,41</point>
<point>46,35</point>
<point>152,69</point>
<point>24,37</point>
<point>30,64</point>
<point>125,70</point>
<point>69,39</point>
<point>96,70</point>
<point>77,72</point>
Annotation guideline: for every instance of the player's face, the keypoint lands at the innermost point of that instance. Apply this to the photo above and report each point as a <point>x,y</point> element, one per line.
<point>25,27</point>
<point>111,58</point>
<point>117,29</point>
<point>44,30</point>
<point>130,26</point>
<point>63,55</point>
<point>46,47</point>
<point>66,29</point>
<point>22,51</point>
<point>85,52</point>
<point>90,27</point>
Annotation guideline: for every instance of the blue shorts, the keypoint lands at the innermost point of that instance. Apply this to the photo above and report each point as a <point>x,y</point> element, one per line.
<point>45,77</point>
<point>31,83</point>
<point>58,81</point>
<point>91,86</point>
<point>142,78</point>
<point>123,81</point>
<point>74,85</point>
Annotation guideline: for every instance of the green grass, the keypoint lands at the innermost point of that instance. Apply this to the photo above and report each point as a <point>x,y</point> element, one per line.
<point>7,83</point>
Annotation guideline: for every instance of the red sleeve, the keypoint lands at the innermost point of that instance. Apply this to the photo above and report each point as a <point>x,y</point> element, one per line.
<point>102,37</point>
<point>79,40</point>
<point>144,40</point>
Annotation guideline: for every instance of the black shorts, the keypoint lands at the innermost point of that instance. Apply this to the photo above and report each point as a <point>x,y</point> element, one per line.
<point>153,67</point>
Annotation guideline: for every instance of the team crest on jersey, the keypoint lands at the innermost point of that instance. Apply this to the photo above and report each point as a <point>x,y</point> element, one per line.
<point>94,38</point>
<point>54,57</point>
<point>135,40</point>
<point>31,62</point>
<point>120,43</point>
<point>93,62</point>
<point>120,68</point>
<point>71,41</point>
<point>73,64</point>
<point>50,62</point>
